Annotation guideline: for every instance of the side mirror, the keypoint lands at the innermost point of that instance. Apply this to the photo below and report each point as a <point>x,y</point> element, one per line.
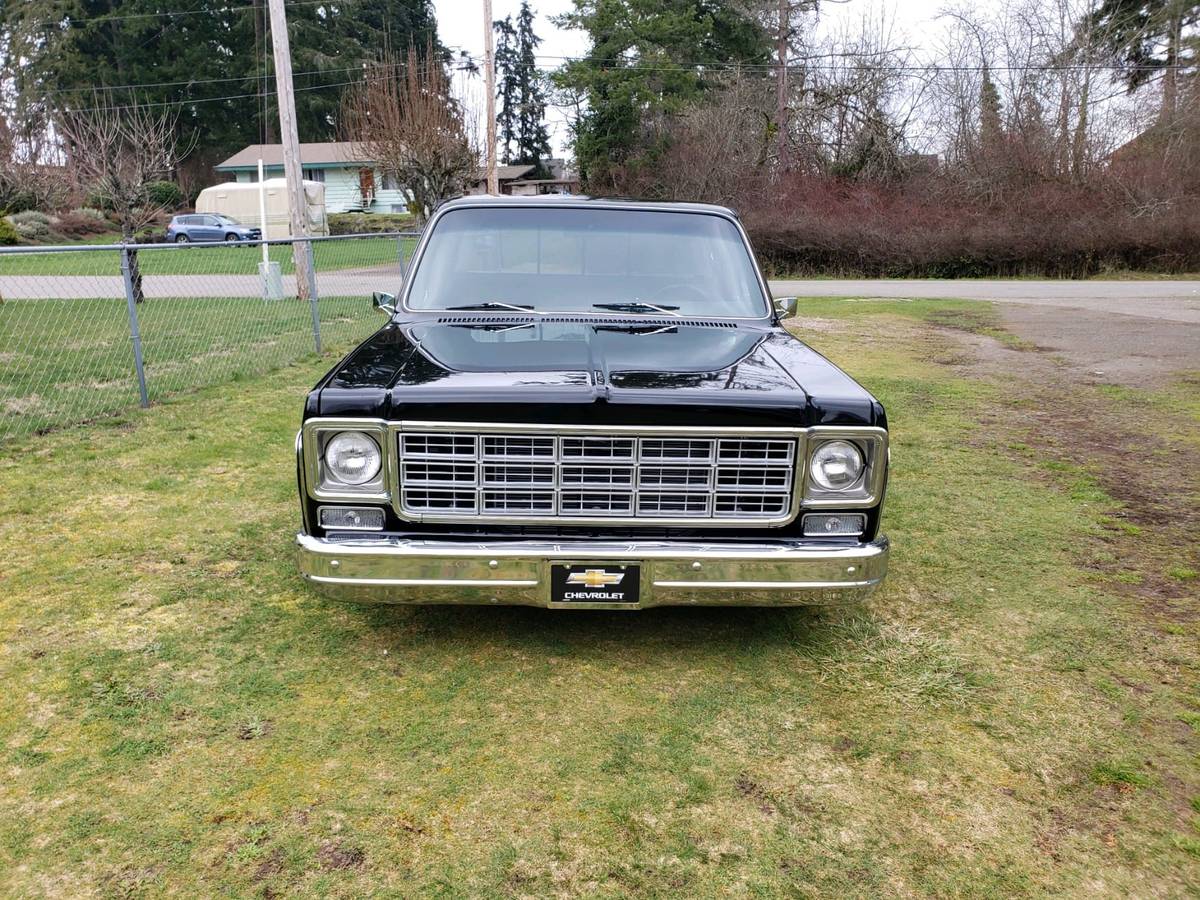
<point>384,302</point>
<point>786,306</point>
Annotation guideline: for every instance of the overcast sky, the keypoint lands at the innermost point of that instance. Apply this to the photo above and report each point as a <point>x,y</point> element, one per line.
<point>460,25</point>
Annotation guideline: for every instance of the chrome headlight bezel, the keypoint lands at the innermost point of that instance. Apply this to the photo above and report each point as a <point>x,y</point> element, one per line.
<point>321,483</point>
<point>867,490</point>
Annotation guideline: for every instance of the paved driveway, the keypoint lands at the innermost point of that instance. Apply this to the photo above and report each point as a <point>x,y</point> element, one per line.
<point>1125,332</point>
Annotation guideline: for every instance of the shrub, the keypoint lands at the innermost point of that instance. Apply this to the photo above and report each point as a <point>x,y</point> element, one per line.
<point>821,226</point>
<point>150,236</point>
<point>166,194</point>
<point>18,201</point>
<point>369,223</point>
<point>79,223</point>
<point>87,212</point>
<point>32,231</point>
<point>8,234</point>
<point>30,217</point>
<point>98,201</point>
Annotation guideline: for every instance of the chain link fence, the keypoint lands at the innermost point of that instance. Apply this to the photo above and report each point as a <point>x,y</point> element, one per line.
<point>90,331</point>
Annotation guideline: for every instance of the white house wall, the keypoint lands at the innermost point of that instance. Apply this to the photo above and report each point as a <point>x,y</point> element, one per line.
<point>342,193</point>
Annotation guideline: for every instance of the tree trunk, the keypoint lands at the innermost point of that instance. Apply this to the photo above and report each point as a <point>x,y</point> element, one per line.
<point>135,270</point>
<point>1065,150</point>
<point>781,109</point>
<point>1079,139</point>
<point>1170,94</point>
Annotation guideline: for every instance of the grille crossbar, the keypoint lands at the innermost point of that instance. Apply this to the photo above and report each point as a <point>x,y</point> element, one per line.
<point>468,476</point>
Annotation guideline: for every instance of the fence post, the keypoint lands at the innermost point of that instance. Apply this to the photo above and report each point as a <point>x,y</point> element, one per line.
<point>135,333</point>
<point>312,295</point>
<point>400,254</point>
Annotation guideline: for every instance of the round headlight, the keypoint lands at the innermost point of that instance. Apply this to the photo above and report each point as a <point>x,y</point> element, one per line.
<point>836,465</point>
<point>352,457</point>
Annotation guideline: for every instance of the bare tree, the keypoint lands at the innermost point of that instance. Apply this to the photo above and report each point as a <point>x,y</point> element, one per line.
<point>718,146</point>
<point>117,152</point>
<point>406,118</point>
<point>28,153</point>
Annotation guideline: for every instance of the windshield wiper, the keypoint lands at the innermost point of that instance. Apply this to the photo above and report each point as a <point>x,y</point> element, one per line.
<point>638,306</point>
<point>496,304</point>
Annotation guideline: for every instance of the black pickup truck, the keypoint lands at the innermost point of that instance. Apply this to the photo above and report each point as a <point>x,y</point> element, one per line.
<point>582,403</point>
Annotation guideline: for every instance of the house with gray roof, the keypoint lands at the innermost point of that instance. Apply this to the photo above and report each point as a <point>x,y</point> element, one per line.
<point>353,181</point>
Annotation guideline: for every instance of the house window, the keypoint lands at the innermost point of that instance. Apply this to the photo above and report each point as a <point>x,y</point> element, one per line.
<point>390,183</point>
<point>314,175</point>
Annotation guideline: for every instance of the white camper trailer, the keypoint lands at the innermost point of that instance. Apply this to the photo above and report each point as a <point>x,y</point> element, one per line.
<point>239,200</point>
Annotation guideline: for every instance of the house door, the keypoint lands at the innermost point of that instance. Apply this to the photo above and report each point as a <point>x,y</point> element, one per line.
<point>366,186</point>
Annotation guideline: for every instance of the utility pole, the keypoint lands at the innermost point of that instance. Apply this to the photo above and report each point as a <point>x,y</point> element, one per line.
<point>297,200</point>
<point>489,74</point>
<point>781,109</point>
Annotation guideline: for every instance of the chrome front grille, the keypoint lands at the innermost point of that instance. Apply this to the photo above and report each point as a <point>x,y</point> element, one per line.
<point>497,475</point>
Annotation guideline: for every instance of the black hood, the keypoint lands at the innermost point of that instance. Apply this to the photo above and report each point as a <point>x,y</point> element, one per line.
<point>496,363</point>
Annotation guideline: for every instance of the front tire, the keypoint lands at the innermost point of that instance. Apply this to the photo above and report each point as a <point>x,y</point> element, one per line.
<point>232,238</point>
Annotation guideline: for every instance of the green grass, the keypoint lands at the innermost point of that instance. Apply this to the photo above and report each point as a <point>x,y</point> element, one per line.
<point>184,717</point>
<point>67,361</point>
<point>196,259</point>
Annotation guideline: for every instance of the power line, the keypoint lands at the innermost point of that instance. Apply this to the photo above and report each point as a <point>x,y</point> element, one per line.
<point>603,64</point>
<point>620,65</point>
<point>176,13</point>
<point>227,80</point>
<point>931,68</point>
<point>155,104</point>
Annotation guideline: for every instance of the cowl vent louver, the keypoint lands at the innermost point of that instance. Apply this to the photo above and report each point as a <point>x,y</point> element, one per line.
<point>582,320</point>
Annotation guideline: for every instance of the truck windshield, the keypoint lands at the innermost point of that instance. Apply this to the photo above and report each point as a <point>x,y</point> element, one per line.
<point>606,261</point>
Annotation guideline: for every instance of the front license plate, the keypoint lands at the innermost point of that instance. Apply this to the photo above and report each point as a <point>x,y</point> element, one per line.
<point>595,583</point>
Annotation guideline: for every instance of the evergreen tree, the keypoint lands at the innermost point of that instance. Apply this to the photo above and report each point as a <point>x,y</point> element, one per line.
<point>1150,38</point>
<point>507,90</point>
<point>991,128</point>
<point>211,57</point>
<point>533,139</point>
<point>521,90</point>
<point>647,58</point>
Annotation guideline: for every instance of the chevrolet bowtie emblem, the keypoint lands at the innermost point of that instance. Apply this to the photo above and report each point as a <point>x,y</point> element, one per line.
<point>595,577</point>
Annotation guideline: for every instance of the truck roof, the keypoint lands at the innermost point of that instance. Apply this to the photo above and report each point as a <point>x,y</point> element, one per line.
<point>583,201</point>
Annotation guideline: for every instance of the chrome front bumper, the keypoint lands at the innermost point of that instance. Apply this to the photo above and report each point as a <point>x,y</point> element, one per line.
<point>673,573</point>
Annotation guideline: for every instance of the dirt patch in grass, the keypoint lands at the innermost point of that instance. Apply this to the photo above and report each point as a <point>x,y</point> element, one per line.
<point>1130,460</point>
<point>1139,448</point>
<point>334,855</point>
<point>270,866</point>
<point>1137,453</point>
<point>1111,443</point>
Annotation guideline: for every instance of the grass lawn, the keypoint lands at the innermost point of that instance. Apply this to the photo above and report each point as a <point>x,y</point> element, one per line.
<point>203,259</point>
<point>66,361</point>
<point>1008,717</point>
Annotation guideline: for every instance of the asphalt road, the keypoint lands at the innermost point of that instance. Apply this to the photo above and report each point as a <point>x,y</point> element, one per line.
<point>1138,333</point>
